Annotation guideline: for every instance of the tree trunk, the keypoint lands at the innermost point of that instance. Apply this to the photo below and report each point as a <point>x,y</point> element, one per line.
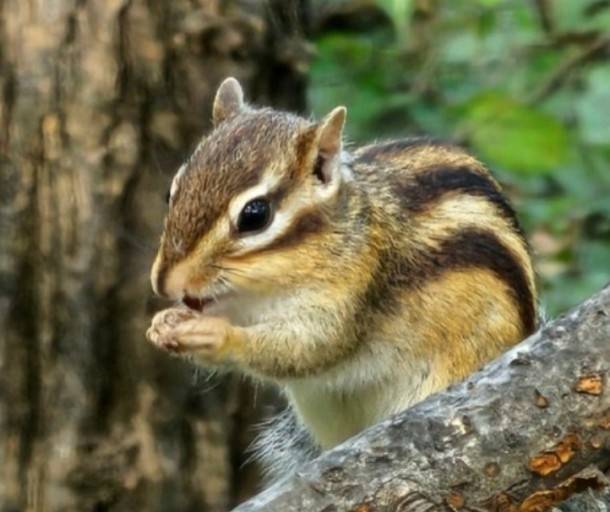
<point>527,432</point>
<point>100,100</point>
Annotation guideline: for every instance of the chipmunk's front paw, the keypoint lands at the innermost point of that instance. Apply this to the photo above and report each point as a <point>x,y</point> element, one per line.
<point>163,325</point>
<point>189,332</point>
<point>206,337</point>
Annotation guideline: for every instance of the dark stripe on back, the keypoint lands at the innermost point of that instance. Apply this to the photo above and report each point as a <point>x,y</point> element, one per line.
<point>425,188</point>
<point>370,153</point>
<point>467,249</point>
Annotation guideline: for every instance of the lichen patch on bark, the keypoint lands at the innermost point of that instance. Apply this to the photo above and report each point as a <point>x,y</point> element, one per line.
<point>592,384</point>
<point>549,461</point>
<point>588,478</point>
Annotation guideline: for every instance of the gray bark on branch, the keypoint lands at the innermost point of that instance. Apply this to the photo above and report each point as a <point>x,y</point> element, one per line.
<point>525,433</point>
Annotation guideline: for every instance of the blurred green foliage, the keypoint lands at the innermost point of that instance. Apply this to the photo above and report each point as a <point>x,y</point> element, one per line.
<point>525,85</point>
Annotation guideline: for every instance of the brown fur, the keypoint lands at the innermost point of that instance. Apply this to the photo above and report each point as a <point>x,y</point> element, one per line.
<point>415,260</point>
<point>396,185</point>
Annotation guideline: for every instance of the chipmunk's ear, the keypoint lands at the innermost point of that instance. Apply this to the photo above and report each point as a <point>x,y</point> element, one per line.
<point>329,141</point>
<point>228,102</point>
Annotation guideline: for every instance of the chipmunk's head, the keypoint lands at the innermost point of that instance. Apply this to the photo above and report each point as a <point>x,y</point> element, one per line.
<point>250,199</point>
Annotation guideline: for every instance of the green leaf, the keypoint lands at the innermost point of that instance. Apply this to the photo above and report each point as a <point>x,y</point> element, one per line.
<point>593,107</point>
<point>514,135</point>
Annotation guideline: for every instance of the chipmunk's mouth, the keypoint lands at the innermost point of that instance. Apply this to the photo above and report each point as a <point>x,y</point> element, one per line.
<point>196,303</point>
<point>200,303</point>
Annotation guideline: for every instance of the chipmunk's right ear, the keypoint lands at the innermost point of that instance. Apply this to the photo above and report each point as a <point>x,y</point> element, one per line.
<point>327,166</point>
<point>229,100</point>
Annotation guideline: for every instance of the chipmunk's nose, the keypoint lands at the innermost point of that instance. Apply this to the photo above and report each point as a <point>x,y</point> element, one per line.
<point>171,281</point>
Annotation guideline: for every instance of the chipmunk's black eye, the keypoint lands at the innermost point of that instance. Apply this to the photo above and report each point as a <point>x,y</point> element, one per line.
<point>254,216</point>
<point>167,197</point>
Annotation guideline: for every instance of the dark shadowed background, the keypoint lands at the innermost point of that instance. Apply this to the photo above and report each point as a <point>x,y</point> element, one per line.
<point>100,102</point>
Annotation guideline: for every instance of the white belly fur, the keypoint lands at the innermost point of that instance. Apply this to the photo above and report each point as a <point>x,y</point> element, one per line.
<point>336,407</point>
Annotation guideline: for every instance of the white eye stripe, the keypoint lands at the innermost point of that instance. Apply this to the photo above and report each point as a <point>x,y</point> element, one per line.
<point>282,222</point>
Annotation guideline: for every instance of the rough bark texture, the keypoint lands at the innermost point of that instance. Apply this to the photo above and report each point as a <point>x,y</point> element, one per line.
<point>526,432</point>
<point>100,100</point>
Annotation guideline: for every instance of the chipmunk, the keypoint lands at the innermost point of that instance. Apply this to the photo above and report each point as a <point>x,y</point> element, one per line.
<point>359,281</point>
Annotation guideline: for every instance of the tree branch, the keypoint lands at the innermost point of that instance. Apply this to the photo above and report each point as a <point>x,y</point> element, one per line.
<point>597,49</point>
<point>524,433</point>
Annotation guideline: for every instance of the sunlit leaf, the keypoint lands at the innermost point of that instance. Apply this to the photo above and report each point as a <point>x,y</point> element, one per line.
<point>399,12</point>
<point>515,136</point>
